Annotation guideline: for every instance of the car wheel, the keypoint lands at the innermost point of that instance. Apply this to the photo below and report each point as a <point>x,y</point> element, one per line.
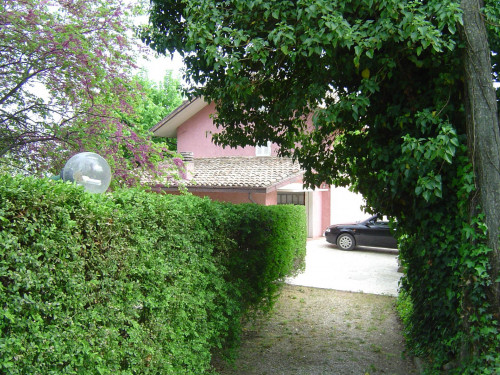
<point>345,241</point>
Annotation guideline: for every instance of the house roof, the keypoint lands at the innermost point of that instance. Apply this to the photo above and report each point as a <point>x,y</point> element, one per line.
<point>243,173</point>
<point>167,127</point>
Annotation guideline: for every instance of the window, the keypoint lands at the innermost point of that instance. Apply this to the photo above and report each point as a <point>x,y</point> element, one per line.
<point>261,150</point>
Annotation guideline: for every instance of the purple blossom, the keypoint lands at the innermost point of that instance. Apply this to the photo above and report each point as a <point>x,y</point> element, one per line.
<point>85,60</point>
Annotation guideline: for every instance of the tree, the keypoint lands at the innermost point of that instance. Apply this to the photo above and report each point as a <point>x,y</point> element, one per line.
<point>158,101</point>
<point>482,134</point>
<point>129,143</point>
<point>385,82</point>
<point>140,153</point>
<point>66,81</point>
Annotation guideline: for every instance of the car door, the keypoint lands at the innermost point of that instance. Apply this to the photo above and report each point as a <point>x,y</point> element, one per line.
<point>382,235</point>
<point>377,234</point>
<point>365,233</point>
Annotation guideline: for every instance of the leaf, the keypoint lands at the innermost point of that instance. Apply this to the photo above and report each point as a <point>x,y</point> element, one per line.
<point>427,195</point>
<point>454,141</point>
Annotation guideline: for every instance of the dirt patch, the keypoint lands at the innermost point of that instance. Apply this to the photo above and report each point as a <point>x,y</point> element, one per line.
<point>320,331</point>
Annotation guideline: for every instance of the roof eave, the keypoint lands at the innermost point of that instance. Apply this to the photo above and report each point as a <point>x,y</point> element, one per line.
<point>284,182</point>
<point>167,127</point>
<point>236,189</point>
<point>216,189</point>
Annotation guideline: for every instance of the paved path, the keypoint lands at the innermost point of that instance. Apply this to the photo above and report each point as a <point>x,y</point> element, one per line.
<point>367,270</point>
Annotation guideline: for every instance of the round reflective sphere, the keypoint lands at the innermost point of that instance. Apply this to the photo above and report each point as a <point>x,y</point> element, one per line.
<point>89,170</point>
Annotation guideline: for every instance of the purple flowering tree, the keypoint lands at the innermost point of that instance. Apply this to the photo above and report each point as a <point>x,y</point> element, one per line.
<point>66,85</point>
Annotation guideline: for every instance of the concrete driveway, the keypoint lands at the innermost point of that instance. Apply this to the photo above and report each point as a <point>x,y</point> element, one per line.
<point>366,270</point>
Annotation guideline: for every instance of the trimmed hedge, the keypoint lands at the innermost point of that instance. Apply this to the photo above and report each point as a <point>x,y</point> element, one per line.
<point>133,282</point>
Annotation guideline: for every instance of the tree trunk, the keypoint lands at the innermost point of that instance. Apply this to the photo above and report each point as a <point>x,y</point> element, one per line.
<point>483,131</point>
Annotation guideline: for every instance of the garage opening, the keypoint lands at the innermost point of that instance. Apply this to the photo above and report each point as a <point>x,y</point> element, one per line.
<point>292,198</point>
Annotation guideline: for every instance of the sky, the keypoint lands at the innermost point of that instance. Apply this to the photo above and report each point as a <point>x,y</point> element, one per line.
<point>157,66</point>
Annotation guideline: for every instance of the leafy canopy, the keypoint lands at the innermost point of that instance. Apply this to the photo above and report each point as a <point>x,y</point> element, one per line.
<point>371,72</point>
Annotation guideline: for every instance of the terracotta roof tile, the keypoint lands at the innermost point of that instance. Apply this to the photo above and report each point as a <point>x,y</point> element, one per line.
<point>248,172</point>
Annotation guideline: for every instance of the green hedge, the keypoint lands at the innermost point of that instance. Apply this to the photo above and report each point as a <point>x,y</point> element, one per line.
<point>280,230</point>
<point>133,282</point>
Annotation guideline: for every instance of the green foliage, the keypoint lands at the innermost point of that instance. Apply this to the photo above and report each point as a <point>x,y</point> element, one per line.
<point>129,146</point>
<point>156,101</point>
<point>131,282</point>
<point>373,92</point>
<point>271,253</point>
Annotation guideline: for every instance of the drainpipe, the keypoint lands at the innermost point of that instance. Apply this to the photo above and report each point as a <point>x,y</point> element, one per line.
<point>250,197</point>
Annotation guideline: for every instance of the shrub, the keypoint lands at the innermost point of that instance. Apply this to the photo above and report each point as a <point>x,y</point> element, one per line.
<point>268,254</point>
<point>132,282</point>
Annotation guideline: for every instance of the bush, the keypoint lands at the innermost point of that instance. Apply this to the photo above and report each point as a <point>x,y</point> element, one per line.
<point>268,254</point>
<point>132,282</point>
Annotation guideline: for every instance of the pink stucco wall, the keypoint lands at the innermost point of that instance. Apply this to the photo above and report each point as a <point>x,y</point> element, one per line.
<point>317,217</point>
<point>320,212</point>
<point>325,211</point>
<point>259,198</point>
<point>195,135</point>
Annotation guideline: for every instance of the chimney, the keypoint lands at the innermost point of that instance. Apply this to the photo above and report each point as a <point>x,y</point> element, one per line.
<point>187,158</point>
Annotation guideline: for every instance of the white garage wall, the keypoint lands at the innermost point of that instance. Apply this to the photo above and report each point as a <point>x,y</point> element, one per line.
<point>346,206</point>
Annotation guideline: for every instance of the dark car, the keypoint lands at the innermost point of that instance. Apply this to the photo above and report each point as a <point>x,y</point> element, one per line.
<point>371,232</point>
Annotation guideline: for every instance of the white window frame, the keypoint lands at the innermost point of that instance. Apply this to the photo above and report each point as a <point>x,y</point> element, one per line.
<point>263,150</point>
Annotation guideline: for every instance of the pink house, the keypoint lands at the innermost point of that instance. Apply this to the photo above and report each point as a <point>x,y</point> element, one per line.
<point>242,174</point>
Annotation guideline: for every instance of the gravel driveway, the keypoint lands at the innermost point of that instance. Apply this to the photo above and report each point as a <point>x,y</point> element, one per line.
<point>320,327</point>
<point>314,331</point>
